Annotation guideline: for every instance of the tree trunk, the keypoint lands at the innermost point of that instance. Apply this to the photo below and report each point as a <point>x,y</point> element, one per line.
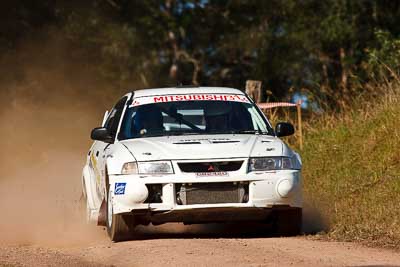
<point>344,69</point>
<point>253,89</point>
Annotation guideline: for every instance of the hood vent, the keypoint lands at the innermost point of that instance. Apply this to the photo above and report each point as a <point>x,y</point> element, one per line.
<point>188,143</point>
<point>224,141</point>
<point>210,141</point>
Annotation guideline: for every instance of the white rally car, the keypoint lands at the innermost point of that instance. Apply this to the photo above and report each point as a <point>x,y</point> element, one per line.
<point>191,155</point>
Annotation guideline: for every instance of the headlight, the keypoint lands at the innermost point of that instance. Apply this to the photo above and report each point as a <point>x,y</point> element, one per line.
<point>153,167</point>
<point>271,163</point>
<point>129,168</point>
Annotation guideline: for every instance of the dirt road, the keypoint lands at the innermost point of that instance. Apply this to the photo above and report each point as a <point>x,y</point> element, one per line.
<point>176,245</point>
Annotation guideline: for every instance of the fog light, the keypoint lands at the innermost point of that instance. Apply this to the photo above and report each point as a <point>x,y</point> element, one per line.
<point>285,187</point>
<point>135,193</point>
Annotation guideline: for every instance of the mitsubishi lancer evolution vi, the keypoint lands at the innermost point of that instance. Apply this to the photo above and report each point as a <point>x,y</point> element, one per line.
<point>191,155</point>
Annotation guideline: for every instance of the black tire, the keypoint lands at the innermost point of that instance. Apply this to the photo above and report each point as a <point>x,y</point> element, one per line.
<point>121,226</point>
<point>288,222</point>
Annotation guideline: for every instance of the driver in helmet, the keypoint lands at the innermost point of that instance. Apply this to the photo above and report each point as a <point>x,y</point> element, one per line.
<point>216,116</point>
<point>148,119</point>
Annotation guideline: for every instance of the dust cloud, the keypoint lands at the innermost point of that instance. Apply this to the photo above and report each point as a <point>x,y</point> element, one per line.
<point>40,181</point>
<point>48,105</point>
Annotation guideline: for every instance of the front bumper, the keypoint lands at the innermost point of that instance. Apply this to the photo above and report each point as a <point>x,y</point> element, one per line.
<point>266,190</point>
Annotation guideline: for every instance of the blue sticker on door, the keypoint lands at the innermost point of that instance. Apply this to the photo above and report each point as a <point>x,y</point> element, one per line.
<point>119,188</point>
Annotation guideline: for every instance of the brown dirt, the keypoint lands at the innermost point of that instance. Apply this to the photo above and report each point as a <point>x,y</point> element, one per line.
<point>198,247</point>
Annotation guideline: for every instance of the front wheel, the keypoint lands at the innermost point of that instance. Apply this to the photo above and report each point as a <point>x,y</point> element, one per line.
<point>119,227</point>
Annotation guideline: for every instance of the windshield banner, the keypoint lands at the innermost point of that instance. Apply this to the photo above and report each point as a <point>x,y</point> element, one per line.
<point>188,97</point>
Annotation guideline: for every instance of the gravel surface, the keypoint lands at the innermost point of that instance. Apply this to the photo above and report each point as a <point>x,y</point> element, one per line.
<point>176,245</point>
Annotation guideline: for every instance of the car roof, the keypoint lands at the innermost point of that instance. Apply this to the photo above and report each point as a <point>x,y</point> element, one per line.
<point>186,90</point>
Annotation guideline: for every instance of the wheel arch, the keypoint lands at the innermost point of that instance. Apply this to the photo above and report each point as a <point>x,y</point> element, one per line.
<point>89,189</point>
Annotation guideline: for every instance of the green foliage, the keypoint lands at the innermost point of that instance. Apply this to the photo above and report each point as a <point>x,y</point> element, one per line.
<point>385,57</point>
<point>327,48</point>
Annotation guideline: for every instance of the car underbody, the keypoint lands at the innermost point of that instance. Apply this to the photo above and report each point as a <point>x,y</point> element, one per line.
<point>210,215</point>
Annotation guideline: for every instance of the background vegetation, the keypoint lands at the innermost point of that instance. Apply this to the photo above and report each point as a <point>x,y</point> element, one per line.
<point>326,49</point>
<point>343,56</point>
<point>352,170</point>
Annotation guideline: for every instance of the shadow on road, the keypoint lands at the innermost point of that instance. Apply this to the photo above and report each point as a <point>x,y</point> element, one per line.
<point>313,223</point>
<point>205,231</point>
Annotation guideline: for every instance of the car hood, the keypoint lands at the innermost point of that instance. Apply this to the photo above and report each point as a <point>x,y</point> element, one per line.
<point>204,147</point>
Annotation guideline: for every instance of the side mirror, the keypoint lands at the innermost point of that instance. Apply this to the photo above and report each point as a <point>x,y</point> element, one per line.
<point>284,129</point>
<point>101,134</point>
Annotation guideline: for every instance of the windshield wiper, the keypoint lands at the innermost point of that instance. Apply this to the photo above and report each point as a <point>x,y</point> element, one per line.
<point>248,132</point>
<point>181,133</point>
<point>179,118</point>
<point>215,132</point>
<point>238,132</point>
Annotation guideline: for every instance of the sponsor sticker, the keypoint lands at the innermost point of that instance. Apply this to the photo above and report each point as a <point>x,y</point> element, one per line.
<point>211,174</point>
<point>119,188</point>
<point>189,97</point>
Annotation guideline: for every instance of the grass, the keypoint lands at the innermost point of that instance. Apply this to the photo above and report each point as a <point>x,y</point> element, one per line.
<point>352,171</point>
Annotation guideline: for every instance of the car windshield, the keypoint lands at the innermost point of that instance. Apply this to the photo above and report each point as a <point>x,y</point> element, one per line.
<point>143,119</point>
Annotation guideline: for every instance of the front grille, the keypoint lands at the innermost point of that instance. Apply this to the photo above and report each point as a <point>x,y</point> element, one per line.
<point>211,193</point>
<point>220,166</point>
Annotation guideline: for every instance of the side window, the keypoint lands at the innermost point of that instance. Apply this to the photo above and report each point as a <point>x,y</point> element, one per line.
<point>115,116</point>
<point>110,119</point>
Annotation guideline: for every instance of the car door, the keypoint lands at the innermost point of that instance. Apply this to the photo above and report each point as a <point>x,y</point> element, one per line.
<point>103,149</point>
